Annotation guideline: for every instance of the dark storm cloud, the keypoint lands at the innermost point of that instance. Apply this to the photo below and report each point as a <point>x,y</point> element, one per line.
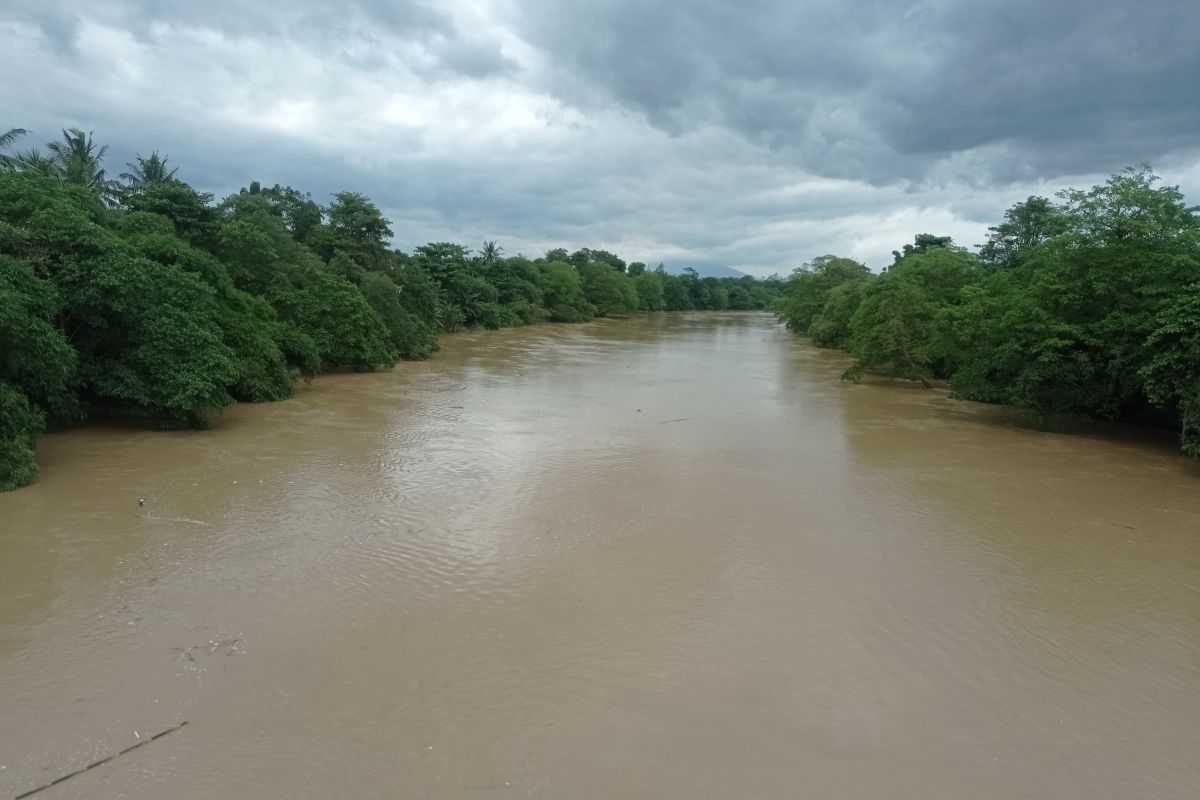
<point>890,87</point>
<point>304,19</point>
<point>378,24</point>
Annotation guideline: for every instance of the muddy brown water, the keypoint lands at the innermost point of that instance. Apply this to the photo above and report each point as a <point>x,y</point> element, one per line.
<point>657,558</point>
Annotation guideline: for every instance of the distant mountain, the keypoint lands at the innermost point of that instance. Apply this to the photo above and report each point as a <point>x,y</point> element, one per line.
<point>705,269</point>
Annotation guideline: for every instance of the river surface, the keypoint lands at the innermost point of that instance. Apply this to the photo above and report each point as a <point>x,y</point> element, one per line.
<point>671,557</point>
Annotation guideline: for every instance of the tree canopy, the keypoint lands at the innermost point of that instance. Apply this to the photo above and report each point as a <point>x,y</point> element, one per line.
<point>1088,305</point>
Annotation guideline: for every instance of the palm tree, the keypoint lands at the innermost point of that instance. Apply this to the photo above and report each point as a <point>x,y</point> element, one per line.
<point>78,160</point>
<point>11,136</point>
<point>33,161</point>
<point>490,253</point>
<point>29,161</point>
<point>148,171</point>
<point>6,139</point>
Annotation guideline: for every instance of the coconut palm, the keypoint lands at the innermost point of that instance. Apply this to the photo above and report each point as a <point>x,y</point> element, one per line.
<point>490,253</point>
<point>11,136</point>
<point>78,160</point>
<point>33,161</point>
<point>6,139</point>
<point>148,171</point>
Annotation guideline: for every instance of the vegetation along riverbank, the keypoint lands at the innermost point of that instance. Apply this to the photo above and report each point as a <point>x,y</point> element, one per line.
<point>1085,305</point>
<point>145,297</point>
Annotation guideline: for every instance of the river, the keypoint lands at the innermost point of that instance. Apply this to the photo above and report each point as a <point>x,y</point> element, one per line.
<point>671,557</point>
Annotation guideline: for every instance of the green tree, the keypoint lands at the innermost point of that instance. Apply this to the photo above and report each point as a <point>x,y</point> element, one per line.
<point>7,139</point>
<point>148,336</point>
<point>649,287</point>
<point>327,319</point>
<point>37,369</point>
<point>562,293</point>
<point>923,243</point>
<point>676,296</point>
<point>469,299</point>
<point>11,135</point>
<point>892,329</point>
<point>20,427</point>
<point>831,327</point>
<point>808,288</point>
<point>249,326</point>
<point>610,291</point>
<point>1172,373</point>
<point>148,171</point>
<point>1026,225</point>
<point>408,335</point>
<point>1089,321</point>
<point>516,283</point>
<point>356,228</point>
<point>491,253</point>
<point>36,358</point>
<point>191,212</point>
<point>78,159</point>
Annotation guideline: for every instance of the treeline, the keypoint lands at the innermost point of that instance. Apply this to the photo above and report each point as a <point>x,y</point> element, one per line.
<point>1088,305</point>
<point>142,296</point>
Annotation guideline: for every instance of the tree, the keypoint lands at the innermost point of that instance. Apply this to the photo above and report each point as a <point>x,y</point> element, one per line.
<point>831,326</point>
<point>649,287</point>
<point>249,326</point>
<point>32,162</point>
<point>36,358</point>
<point>20,427</point>
<point>519,296</point>
<point>11,135</point>
<point>337,317</point>
<point>299,212</point>
<point>327,320</point>
<point>562,293</point>
<point>808,288</point>
<point>356,218</point>
<point>1092,321</point>
<point>892,329</point>
<point>490,253</point>
<point>676,296</point>
<point>610,291</point>
<point>1172,374</point>
<point>1130,208</point>
<point>7,139</point>
<point>148,335</point>
<point>1026,225</point>
<point>191,212</point>
<point>37,369</point>
<point>356,227</point>
<point>923,243</point>
<point>408,336</point>
<point>469,299</point>
<point>78,159</point>
<point>148,171</point>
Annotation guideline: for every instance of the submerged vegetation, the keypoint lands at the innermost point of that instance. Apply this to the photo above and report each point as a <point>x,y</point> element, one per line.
<point>1086,306</point>
<point>144,297</point>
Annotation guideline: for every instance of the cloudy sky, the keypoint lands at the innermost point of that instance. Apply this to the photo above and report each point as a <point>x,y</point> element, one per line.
<point>758,133</point>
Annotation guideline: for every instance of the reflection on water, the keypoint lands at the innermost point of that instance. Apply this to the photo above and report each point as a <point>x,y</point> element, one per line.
<point>665,557</point>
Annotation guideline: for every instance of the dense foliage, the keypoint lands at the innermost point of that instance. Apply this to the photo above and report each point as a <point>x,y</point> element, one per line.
<point>144,297</point>
<point>1085,306</point>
